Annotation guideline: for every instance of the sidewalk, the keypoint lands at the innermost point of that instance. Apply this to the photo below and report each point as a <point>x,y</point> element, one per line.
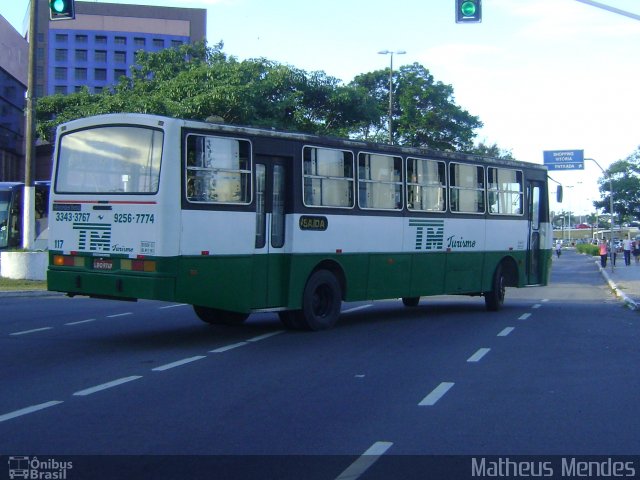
<point>623,280</point>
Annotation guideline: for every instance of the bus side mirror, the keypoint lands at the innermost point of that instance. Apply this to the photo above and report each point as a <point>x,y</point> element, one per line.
<point>559,194</point>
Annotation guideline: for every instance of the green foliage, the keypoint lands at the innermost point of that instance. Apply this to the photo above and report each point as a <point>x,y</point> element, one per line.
<point>423,110</point>
<point>196,81</point>
<point>491,151</point>
<point>8,284</point>
<point>625,181</point>
<point>588,249</point>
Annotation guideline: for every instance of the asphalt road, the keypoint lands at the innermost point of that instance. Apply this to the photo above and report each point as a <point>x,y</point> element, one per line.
<point>553,373</point>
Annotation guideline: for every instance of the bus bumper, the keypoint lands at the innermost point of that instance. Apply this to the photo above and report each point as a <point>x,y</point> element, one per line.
<point>123,287</point>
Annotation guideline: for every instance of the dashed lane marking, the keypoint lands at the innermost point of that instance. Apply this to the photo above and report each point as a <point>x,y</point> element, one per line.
<point>436,394</point>
<point>229,347</point>
<point>476,357</point>
<point>27,410</point>
<point>26,332</point>
<point>506,331</point>
<point>355,309</point>
<point>174,306</point>
<point>178,363</point>
<point>364,462</point>
<point>265,336</point>
<point>81,321</point>
<point>120,315</point>
<point>105,386</point>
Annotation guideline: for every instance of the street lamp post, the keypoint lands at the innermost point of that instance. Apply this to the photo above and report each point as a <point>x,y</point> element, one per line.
<point>389,52</point>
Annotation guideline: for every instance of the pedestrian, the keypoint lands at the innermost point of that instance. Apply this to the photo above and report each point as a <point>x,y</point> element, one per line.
<point>558,248</point>
<point>603,252</point>
<point>636,251</point>
<point>626,248</point>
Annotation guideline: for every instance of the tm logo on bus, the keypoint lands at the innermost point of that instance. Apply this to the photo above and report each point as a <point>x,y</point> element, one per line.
<point>93,237</point>
<point>429,233</point>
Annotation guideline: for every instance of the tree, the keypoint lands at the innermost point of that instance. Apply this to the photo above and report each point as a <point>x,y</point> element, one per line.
<point>196,81</point>
<point>625,181</point>
<point>424,111</point>
<point>491,151</point>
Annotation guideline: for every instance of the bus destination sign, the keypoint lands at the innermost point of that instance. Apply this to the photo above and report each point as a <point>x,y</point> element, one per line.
<point>564,159</point>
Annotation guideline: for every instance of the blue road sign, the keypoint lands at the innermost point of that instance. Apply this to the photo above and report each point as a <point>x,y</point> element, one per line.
<point>564,159</point>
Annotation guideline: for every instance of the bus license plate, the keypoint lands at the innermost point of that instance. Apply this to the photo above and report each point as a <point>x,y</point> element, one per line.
<point>102,264</point>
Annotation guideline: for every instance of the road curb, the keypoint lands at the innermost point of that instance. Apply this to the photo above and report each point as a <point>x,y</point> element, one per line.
<point>619,293</point>
<point>29,293</point>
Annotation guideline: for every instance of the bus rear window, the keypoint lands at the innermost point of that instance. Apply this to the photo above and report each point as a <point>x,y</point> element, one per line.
<point>111,159</point>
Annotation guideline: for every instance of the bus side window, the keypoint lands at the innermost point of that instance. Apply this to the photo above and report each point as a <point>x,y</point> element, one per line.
<point>218,170</point>
<point>467,188</point>
<point>328,177</point>
<point>426,185</point>
<point>505,191</point>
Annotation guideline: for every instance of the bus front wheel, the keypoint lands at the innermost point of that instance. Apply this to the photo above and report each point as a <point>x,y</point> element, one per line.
<point>495,298</point>
<point>215,316</point>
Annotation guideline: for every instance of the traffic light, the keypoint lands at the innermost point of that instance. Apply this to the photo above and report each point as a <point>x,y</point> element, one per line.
<point>61,10</point>
<point>468,11</point>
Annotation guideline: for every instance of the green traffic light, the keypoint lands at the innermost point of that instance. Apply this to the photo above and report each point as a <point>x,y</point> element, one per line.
<point>468,9</point>
<point>59,6</point>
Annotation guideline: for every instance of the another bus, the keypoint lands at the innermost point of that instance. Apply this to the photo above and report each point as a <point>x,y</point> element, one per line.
<point>11,205</point>
<point>235,220</point>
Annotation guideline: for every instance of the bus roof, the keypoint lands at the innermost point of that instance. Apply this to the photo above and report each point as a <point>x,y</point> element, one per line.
<point>157,120</point>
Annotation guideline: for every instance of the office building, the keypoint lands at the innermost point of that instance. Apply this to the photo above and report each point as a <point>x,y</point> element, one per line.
<point>94,50</point>
<point>13,87</point>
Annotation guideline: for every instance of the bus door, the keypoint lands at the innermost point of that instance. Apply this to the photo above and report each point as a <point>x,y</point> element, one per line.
<point>269,272</point>
<point>534,264</point>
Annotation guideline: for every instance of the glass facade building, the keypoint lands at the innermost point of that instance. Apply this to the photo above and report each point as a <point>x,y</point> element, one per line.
<point>94,50</point>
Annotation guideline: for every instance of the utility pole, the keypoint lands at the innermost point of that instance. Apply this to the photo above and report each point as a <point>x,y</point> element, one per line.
<point>389,52</point>
<point>29,222</point>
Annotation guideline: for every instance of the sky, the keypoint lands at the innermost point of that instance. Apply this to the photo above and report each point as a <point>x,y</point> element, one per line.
<point>540,74</point>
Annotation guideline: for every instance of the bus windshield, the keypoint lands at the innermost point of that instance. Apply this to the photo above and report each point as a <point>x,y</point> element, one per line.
<point>5,201</point>
<point>110,160</point>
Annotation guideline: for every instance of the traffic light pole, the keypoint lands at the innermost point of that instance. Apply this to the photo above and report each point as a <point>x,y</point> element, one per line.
<point>29,222</point>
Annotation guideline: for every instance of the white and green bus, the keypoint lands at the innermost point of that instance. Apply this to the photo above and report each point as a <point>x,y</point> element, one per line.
<point>235,220</point>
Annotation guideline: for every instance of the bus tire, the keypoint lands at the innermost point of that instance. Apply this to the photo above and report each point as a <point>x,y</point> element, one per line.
<point>215,316</point>
<point>494,299</point>
<point>410,301</point>
<point>321,301</point>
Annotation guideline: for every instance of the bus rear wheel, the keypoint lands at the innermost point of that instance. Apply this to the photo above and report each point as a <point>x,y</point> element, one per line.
<point>410,301</point>
<point>215,316</point>
<point>321,303</point>
<point>494,299</point>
